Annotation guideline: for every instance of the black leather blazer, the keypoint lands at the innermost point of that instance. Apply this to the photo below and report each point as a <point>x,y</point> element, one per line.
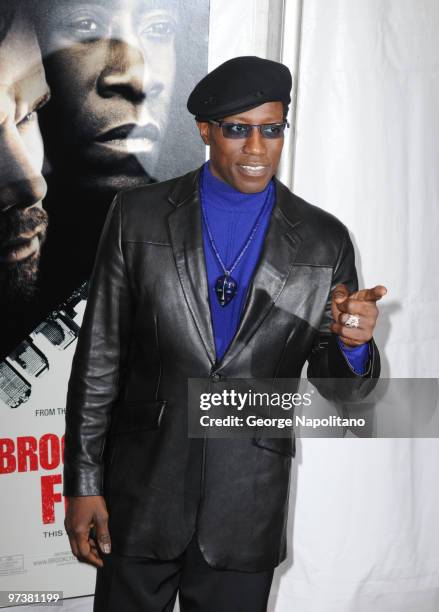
<point>147,329</point>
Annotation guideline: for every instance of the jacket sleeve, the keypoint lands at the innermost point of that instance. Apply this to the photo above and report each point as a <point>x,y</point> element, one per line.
<point>327,360</point>
<point>102,348</point>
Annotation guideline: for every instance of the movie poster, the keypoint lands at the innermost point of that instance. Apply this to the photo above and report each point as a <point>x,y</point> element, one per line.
<point>92,100</point>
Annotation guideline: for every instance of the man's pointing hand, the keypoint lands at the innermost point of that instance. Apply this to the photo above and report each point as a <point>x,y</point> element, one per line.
<point>355,314</point>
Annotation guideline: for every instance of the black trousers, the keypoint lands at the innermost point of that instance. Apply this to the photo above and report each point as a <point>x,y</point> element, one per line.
<point>137,584</point>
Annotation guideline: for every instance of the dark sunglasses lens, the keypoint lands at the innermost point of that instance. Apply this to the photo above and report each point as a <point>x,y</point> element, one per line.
<point>236,130</point>
<point>274,130</point>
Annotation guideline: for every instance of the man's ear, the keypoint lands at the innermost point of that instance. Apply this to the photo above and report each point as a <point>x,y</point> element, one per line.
<point>204,128</point>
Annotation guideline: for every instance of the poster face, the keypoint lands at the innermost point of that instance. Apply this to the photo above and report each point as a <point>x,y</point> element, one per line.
<point>108,83</point>
<point>92,101</point>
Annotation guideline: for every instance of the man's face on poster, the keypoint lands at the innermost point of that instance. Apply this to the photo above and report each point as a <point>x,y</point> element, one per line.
<point>111,67</point>
<point>23,90</point>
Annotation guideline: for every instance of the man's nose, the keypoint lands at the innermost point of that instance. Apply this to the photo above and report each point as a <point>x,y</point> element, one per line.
<point>255,143</point>
<point>21,183</point>
<point>127,73</point>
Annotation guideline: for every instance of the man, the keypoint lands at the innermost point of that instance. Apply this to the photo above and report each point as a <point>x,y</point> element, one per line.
<point>219,274</point>
<point>111,67</point>
<point>23,222</point>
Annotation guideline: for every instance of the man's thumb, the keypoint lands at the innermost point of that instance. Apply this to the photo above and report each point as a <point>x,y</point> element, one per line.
<point>103,535</point>
<point>340,293</point>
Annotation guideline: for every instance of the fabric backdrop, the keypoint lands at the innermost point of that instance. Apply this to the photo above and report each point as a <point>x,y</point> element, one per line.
<point>363,529</point>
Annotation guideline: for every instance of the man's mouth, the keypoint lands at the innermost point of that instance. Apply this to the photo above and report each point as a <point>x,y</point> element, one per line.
<point>20,248</point>
<point>253,169</point>
<point>131,138</point>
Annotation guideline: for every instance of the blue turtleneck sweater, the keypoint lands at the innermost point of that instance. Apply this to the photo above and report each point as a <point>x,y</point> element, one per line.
<point>231,216</point>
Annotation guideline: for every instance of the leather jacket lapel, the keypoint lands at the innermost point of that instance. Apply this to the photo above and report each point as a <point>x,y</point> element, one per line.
<point>277,258</point>
<point>187,244</point>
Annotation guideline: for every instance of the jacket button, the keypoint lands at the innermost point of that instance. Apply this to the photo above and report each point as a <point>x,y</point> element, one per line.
<point>215,377</point>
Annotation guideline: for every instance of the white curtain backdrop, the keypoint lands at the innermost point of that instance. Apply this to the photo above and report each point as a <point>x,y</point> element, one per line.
<point>364,534</point>
<point>363,529</point>
<point>367,149</point>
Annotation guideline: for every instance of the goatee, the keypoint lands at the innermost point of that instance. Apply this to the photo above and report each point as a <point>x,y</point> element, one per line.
<point>18,279</point>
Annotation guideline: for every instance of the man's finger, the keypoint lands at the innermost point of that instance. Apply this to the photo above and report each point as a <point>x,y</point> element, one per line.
<point>350,333</point>
<point>103,534</point>
<point>359,307</point>
<point>86,552</point>
<point>94,552</point>
<point>340,293</point>
<point>72,541</point>
<point>351,336</point>
<point>83,543</point>
<point>344,317</point>
<point>93,546</point>
<point>370,295</point>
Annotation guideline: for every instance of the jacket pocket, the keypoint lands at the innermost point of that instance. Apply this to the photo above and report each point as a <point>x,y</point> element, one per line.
<point>138,415</point>
<point>281,446</point>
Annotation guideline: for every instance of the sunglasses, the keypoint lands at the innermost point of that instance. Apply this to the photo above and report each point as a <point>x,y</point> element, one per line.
<point>243,130</point>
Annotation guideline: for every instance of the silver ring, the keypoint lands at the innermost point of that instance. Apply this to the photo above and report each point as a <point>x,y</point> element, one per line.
<point>353,321</point>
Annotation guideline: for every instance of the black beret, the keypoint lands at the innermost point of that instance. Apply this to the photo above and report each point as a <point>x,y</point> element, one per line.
<point>238,85</point>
